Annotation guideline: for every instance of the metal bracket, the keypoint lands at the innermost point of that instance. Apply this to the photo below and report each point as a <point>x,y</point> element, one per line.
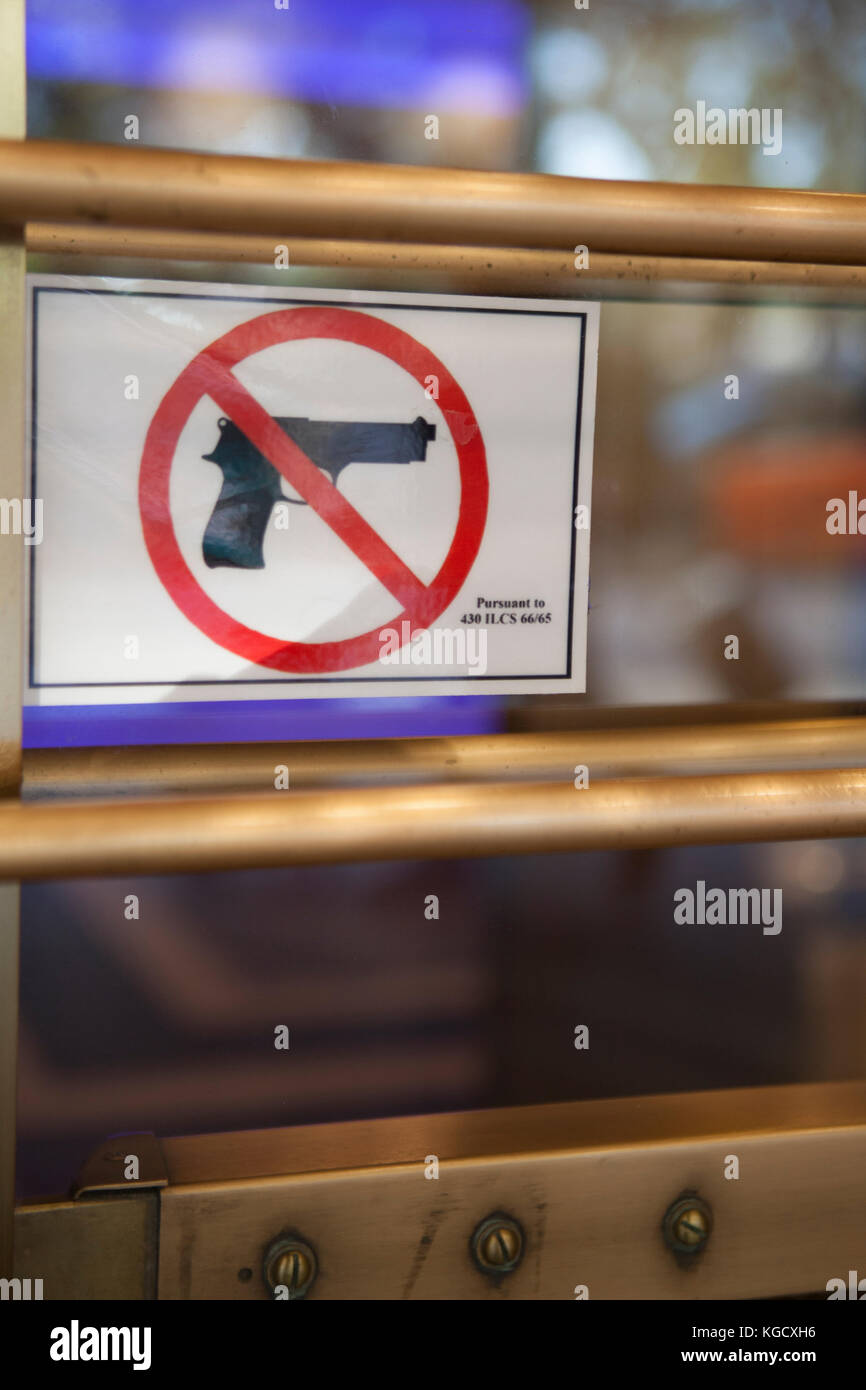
<point>105,1169</point>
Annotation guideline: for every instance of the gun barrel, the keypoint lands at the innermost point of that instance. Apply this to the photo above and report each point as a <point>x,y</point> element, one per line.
<point>334,444</point>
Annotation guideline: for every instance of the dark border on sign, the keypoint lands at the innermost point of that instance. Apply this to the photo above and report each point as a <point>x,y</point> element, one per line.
<point>36,290</point>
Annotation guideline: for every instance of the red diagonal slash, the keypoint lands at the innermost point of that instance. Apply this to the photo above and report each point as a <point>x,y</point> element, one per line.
<point>309,480</point>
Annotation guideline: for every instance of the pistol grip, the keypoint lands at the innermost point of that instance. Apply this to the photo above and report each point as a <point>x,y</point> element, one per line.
<point>236,530</point>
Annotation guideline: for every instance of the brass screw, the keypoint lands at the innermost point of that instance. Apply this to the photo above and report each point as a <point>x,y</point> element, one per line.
<point>687,1225</point>
<point>497,1245</point>
<point>691,1227</point>
<point>291,1263</point>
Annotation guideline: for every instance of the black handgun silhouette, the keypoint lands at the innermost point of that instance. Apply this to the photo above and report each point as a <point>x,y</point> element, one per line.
<point>251,485</point>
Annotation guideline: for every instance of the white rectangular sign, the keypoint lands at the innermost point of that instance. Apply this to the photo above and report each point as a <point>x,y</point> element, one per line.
<point>242,491</point>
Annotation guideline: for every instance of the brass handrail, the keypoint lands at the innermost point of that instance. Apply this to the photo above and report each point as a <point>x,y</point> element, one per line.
<point>436,821</point>
<point>487,269</point>
<point>58,181</point>
<point>758,745</point>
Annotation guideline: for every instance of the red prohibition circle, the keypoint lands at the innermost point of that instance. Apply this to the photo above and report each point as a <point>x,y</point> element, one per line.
<point>173,412</point>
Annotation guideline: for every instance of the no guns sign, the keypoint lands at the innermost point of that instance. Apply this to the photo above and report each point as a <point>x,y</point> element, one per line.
<point>248,492</point>
<point>255,450</point>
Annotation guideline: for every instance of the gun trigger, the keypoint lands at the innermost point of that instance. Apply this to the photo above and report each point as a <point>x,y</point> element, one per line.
<point>293,501</point>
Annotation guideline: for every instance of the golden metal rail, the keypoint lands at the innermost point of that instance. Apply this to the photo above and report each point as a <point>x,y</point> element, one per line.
<point>57,181</point>
<point>780,744</point>
<point>491,269</point>
<point>181,835</point>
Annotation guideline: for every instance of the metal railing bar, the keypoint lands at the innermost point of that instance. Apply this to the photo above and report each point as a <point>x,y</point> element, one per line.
<point>772,745</point>
<point>431,821</point>
<point>58,181</point>
<point>473,268</point>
